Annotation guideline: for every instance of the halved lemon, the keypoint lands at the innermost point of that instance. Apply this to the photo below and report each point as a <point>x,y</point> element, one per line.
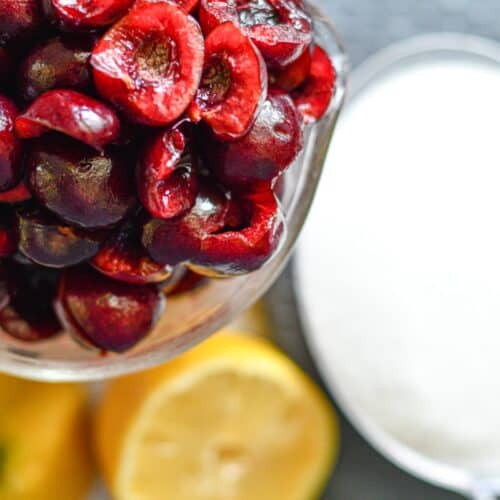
<point>233,419</point>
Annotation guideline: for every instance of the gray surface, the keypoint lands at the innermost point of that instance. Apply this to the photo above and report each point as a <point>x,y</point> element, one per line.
<point>367,26</point>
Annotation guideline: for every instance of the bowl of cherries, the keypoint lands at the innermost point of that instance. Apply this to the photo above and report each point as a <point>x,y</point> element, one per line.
<point>157,161</point>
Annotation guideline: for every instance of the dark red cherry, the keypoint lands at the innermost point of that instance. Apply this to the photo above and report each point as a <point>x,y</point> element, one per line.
<point>60,62</point>
<point>265,152</point>
<point>292,76</point>
<point>84,188</point>
<point>313,97</point>
<point>18,19</point>
<point>88,14</point>
<point>249,247</point>
<point>17,194</point>
<point>177,241</point>
<point>123,258</point>
<point>234,83</point>
<point>167,175</point>
<point>29,316</point>
<point>150,63</point>
<point>222,251</point>
<point>8,232</point>
<point>10,146</point>
<point>46,240</point>
<point>106,313</point>
<point>70,113</point>
<point>280,28</point>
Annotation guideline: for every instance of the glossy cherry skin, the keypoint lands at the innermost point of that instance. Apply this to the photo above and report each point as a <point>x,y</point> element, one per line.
<point>17,194</point>
<point>149,64</point>
<point>273,143</point>
<point>280,28</point>
<point>107,313</point>
<point>313,97</point>
<point>167,175</point>
<point>11,167</point>
<point>122,257</point>
<point>60,62</point>
<point>18,19</point>
<point>71,113</point>
<point>88,14</point>
<point>212,250</point>
<point>84,188</point>
<point>49,242</point>
<point>29,316</point>
<point>234,83</point>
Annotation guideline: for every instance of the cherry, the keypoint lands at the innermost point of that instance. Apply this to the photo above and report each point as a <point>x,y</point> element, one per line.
<point>314,96</point>
<point>17,194</point>
<point>265,152</point>
<point>247,248</point>
<point>175,241</point>
<point>29,316</point>
<point>280,28</point>
<point>18,19</point>
<point>10,146</point>
<point>71,113</point>
<point>88,13</point>
<point>211,249</point>
<point>292,76</point>
<point>123,258</point>
<point>166,175</point>
<point>105,313</point>
<point>49,242</point>
<point>82,187</point>
<point>234,83</point>
<point>8,232</point>
<point>60,62</point>
<point>149,64</point>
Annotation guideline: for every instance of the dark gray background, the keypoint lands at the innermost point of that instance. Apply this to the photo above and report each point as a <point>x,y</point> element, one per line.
<point>367,26</point>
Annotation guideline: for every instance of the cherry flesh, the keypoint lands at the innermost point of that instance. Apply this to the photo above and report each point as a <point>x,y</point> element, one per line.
<point>149,64</point>
<point>233,85</point>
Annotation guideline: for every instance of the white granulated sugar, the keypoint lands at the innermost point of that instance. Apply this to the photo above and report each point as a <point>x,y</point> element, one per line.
<point>399,264</point>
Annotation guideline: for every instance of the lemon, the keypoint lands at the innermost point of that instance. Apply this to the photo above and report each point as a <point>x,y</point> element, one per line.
<point>233,419</point>
<point>44,434</point>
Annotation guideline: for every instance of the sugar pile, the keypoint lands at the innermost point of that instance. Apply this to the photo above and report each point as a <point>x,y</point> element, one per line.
<point>399,265</point>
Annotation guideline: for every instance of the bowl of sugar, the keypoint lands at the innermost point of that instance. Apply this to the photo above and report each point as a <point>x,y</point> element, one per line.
<point>398,269</point>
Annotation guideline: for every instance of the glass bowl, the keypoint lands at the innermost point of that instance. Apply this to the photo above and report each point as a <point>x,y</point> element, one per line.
<point>191,317</point>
